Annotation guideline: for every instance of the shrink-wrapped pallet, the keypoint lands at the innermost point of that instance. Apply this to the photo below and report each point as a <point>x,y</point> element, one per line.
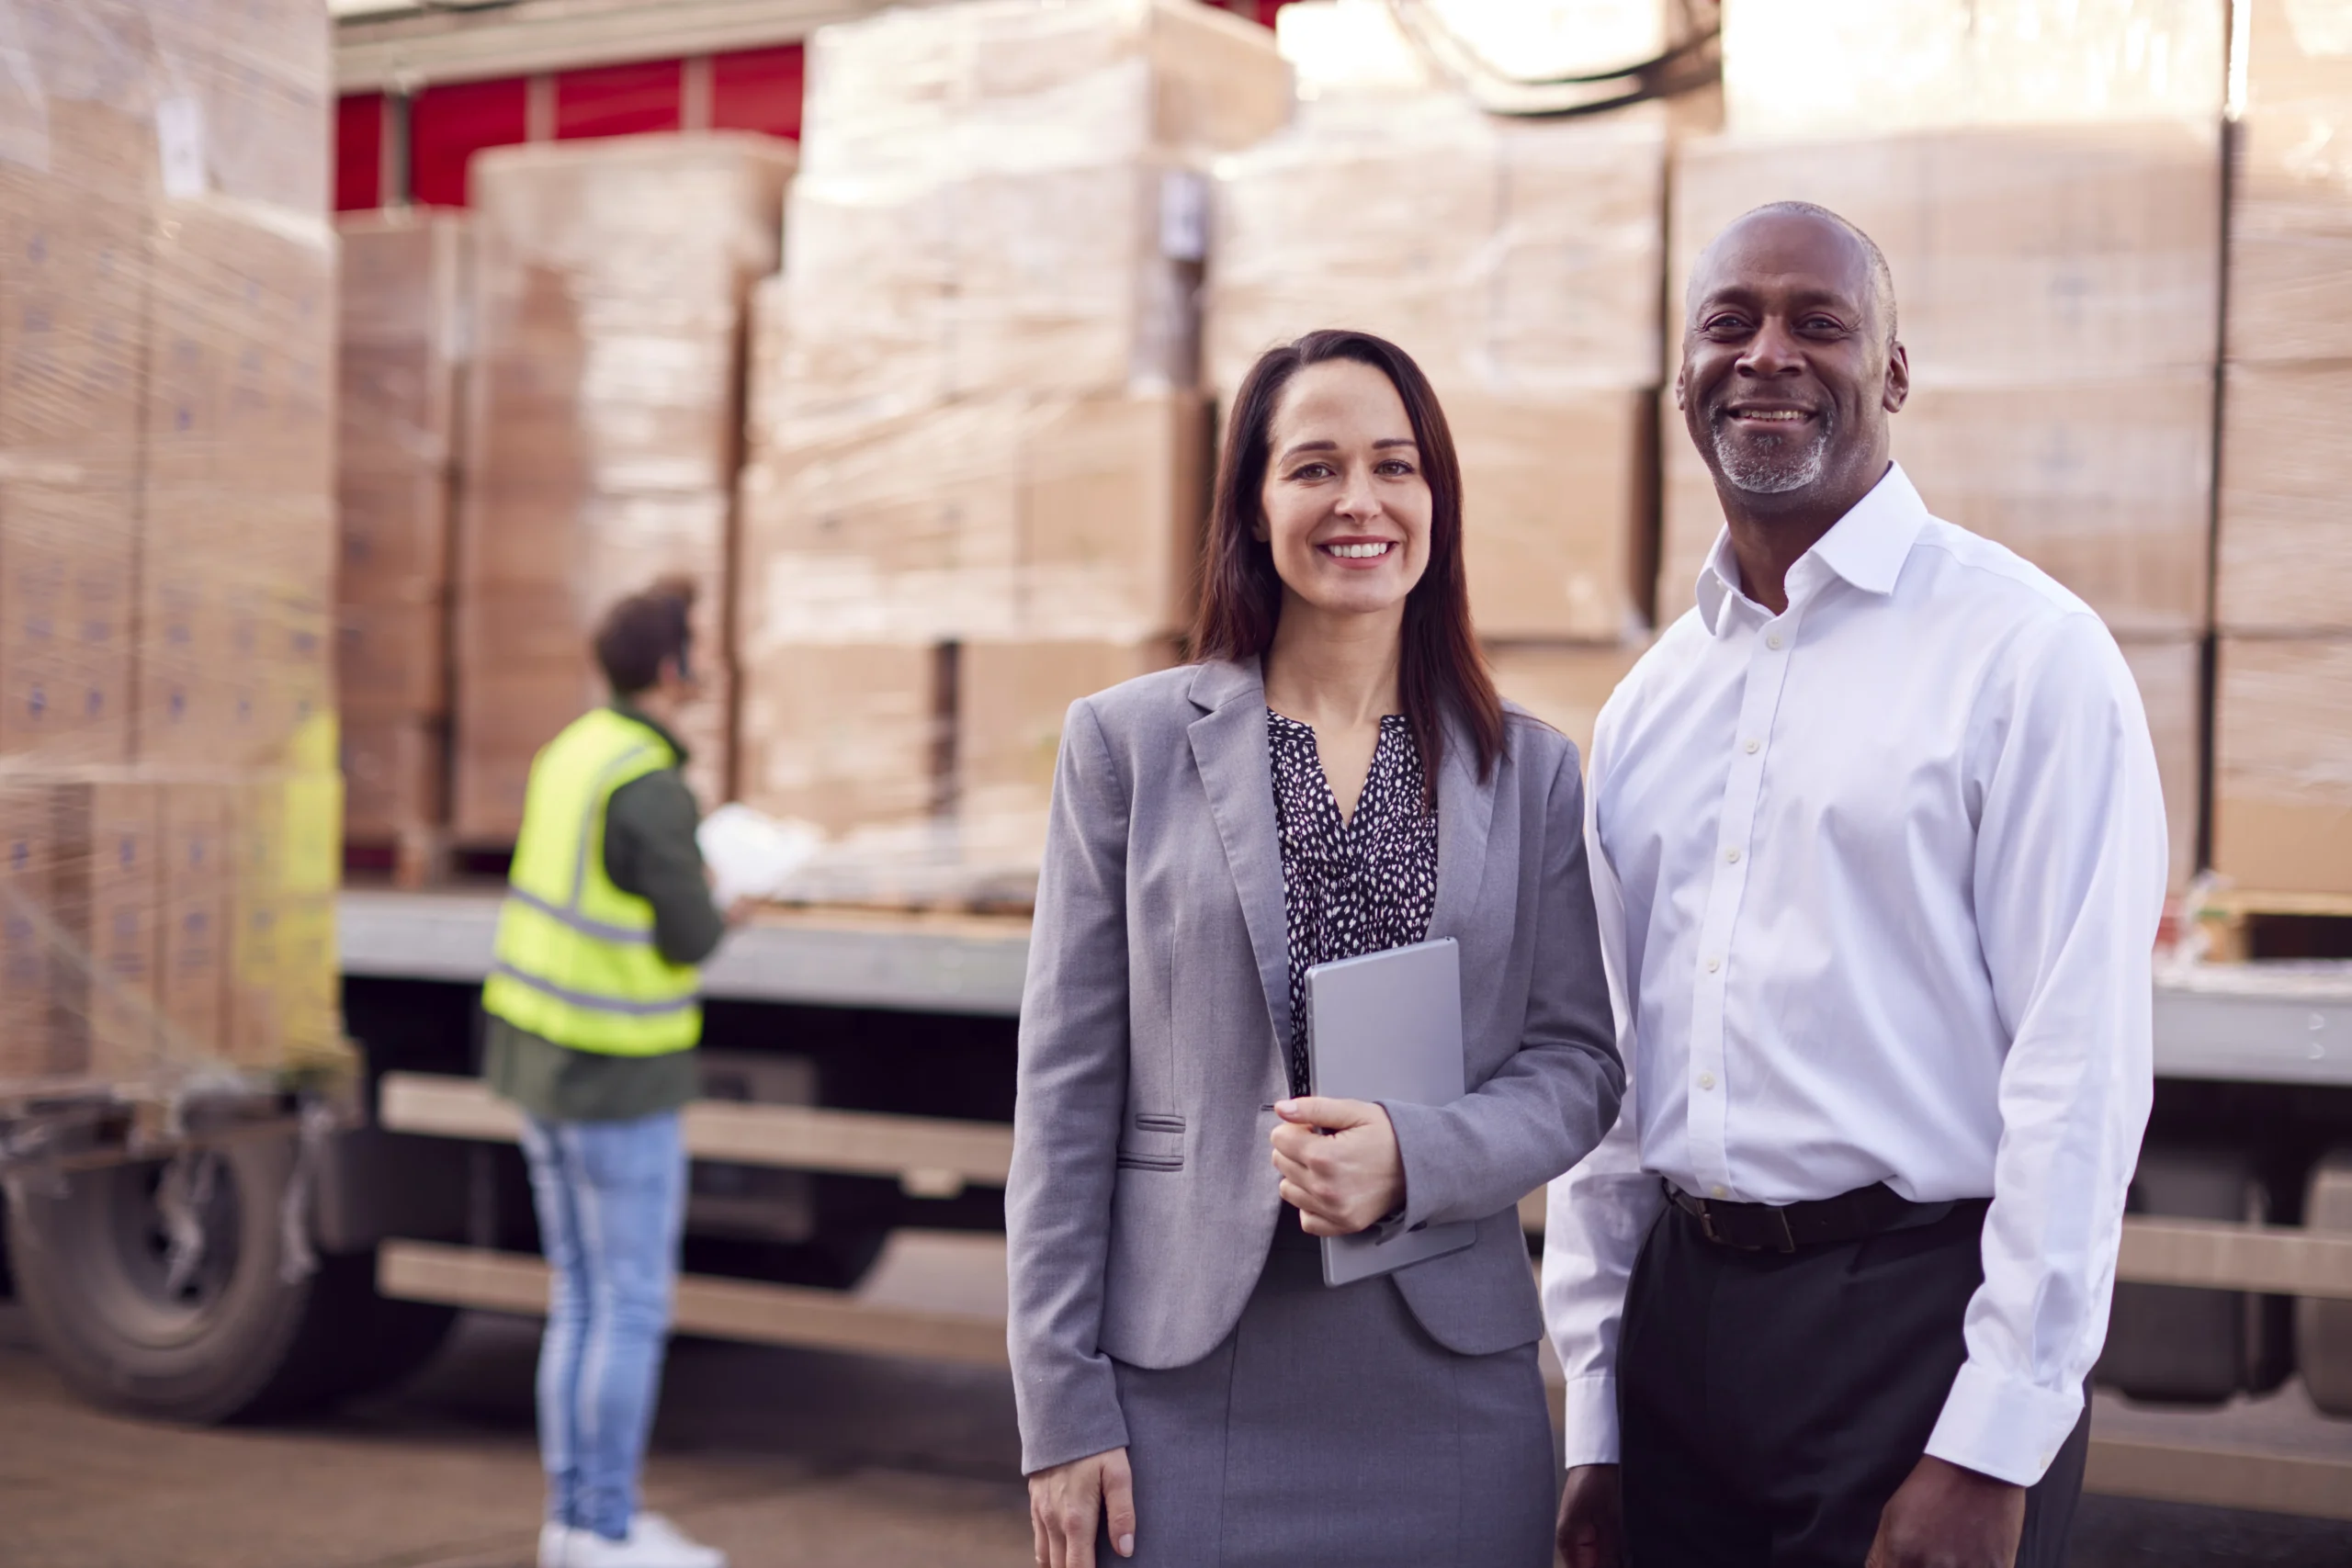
<point>2284,545</point>
<point>603,428</point>
<point>2283,764</point>
<point>1879,65</point>
<point>168,793</point>
<point>1516,261</point>
<point>974,414</point>
<point>2058,292</point>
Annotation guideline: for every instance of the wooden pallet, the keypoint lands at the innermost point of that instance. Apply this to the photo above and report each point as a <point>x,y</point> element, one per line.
<point>2240,925</point>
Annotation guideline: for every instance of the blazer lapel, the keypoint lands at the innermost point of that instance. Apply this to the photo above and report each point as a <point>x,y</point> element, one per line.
<point>1229,748</point>
<point>1465,810</point>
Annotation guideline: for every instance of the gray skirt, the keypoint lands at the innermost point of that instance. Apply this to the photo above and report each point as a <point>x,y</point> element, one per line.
<point>1328,1427</point>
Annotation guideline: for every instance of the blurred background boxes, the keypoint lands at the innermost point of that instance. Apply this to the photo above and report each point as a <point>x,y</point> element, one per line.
<point>2283,764</point>
<point>603,413</point>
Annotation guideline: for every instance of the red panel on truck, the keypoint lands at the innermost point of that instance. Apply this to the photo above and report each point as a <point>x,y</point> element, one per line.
<point>619,101</point>
<point>358,151</point>
<point>449,123</point>
<point>758,89</point>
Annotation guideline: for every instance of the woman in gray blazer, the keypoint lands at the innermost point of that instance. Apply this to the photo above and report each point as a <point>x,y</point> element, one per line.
<point>1336,775</point>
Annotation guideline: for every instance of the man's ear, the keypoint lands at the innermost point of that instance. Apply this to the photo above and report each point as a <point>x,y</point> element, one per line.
<point>1681,389</point>
<point>1898,378</point>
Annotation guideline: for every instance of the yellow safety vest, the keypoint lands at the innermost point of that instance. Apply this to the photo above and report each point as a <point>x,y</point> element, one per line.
<point>575,962</point>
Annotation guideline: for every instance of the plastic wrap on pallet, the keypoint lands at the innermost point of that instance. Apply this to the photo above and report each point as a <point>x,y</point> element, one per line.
<point>2283,764</point>
<point>2170,673</point>
<point>2020,253</point>
<point>1510,258</point>
<point>2107,486</point>
<point>1813,66</point>
<point>603,426</point>
<point>1005,197</point>
<point>168,790</point>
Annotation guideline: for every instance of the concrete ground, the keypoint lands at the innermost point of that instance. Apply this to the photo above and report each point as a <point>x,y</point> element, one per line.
<point>787,1459</point>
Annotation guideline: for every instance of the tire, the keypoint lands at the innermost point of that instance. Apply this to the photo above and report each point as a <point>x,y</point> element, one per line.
<point>2324,1327</point>
<point>230,1340</point>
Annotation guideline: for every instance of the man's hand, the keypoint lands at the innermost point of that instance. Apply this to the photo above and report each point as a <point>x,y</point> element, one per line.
<point>1340,1164</point>
<point>1065,1501</point>
<point>1945,1517</point>
<point>1593,1517</point>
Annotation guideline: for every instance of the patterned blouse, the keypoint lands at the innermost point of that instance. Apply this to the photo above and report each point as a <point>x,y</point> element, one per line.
<point>1351,885</point>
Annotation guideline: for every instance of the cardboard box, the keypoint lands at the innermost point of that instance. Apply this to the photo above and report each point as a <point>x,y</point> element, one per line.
<point>1558,500</point>
<point>1001,519</point>
<point>391,659</point>
<point>107,906</point>
<point>603,422</point>
<point>1795,65</point>
<point>2058,252</point>
<point>2285,547</point>
<point>2283,764</point>
<point>1009,702</point>
<point>2295,51</point>
<point>402,337</point>
<point>395,774</point>
<point>1565,687</point>
<point>2105,486</point>
<point>395,529</point>
<point>66,622</point>
<point>1510,258</point>
<point>282,963</point>
<point>2171,676</point>
<point>32,1044</point>
<point>198,867</point>
<point>845,734</point>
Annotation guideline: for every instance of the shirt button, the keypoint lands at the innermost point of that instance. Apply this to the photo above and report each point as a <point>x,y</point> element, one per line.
<point>1706,1080</point>
<point>1752,747</point>
<point>1713,965</point>
<point>1732,856</point>
<point>1715,1191</point>
<point>1773,642</point>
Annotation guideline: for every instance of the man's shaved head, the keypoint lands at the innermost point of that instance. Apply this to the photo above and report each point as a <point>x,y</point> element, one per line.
<point>1881,275</point>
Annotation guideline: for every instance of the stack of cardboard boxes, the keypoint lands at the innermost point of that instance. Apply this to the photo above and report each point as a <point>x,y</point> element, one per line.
<point>603,430</point>
<point>2282,735</point>
<point>1517,262</point>
<point>2059,287</point>
<point>401,353</point>
<point>977,451</point>
<point>169,804</point>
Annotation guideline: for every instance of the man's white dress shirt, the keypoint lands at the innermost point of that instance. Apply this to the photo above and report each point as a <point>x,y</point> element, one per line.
<point>1878,880</point>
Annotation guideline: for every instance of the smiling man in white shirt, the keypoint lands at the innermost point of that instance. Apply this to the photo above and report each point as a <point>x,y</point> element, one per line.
<point>1879,854</point>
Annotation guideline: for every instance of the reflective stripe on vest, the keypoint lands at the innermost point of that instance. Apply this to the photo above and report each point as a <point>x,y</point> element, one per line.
<point>577,962</point>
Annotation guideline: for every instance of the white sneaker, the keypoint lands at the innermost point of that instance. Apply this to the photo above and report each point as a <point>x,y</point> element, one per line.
<point>652,1542</point>
<point>555,1544</point>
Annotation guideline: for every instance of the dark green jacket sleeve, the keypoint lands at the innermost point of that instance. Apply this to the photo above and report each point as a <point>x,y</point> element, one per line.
<point>649,851</point>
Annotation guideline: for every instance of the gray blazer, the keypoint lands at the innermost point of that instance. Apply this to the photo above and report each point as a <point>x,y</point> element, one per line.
<point>1142,1197</point>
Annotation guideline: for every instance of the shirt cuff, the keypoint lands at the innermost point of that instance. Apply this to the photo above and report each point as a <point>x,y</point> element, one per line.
<point>1589,1424</point>
<point>2004,1428</point>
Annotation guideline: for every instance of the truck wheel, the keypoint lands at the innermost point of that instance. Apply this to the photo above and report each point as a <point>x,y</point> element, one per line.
<point>2324,1328</point>
<point>154,1287</point>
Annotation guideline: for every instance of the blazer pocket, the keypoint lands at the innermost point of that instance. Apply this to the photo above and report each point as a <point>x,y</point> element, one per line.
<point>1156,1142</point>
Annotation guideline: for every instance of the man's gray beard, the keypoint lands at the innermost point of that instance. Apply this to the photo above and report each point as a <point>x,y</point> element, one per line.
<point>1777,470</point>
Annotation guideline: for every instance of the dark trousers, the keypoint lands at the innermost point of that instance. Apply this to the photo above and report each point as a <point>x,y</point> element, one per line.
<point>1772,1402</point>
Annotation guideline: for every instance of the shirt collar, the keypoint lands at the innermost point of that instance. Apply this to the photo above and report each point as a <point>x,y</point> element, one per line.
<point>1867,547</point>
<point>628,709</point>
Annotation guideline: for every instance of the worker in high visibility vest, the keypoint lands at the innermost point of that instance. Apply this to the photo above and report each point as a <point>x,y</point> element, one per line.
<point>593,1021</point>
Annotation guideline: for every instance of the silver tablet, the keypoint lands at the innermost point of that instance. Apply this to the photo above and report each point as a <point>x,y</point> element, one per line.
<point>1387,1026</point>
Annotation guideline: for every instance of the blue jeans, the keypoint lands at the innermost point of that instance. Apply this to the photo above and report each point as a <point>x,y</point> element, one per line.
<point>611,1198</point>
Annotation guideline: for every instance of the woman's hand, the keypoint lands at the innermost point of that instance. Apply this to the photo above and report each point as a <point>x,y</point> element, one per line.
<point>1065,1501</point>
<point>1338,1162</point>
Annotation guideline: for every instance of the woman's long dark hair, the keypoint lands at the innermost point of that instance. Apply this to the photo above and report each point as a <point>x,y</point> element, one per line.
<point>1440,670</point>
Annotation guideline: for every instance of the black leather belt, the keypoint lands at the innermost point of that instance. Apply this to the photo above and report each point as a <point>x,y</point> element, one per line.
<point>1823,1222</point>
